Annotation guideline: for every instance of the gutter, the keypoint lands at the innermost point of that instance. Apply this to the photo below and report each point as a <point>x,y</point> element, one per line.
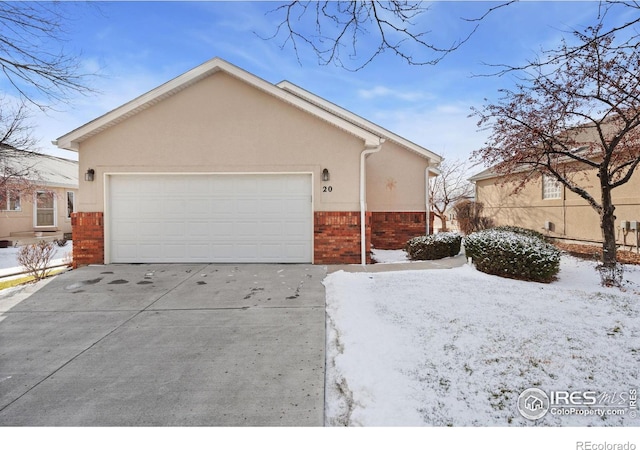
<point>427,200</point>
<point>363,201</point>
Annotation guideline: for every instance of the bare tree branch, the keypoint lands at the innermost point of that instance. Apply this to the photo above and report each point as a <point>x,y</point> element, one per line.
<point>351,34</point>
<point>32,54</point>
<point>577,115</point>
<point>448,188</point>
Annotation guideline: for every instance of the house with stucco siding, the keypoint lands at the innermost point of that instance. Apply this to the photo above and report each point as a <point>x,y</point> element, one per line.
<point>37,196</point>
<point>219,165</point>
<point>545,205</point>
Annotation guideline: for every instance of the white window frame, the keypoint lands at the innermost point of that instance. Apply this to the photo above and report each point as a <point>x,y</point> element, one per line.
<point>35,210</point>
<point>6,206</point>
<point>73,203</point>
<point>551,188</point>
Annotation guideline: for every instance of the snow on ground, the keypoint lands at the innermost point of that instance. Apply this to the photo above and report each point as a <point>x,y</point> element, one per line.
<point>389,256</point>
<point>457,347</point>
<point>9,258</point>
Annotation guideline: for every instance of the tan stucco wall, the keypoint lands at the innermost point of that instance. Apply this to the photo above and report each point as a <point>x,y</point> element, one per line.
<point>23,220</point>
<point>221,124</point>
<point>571,216</point>
<point>395,180</point>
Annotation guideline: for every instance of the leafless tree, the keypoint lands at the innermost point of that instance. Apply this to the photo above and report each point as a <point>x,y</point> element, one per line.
<point>35,258</point>
<point>32,55</point>
<point>17,145</point>
<point>605,9</point>
<point>577,115</point>
<point>470,216</point>
<point>39,73</point>
<point>353,33</point>
<point>448,188</point>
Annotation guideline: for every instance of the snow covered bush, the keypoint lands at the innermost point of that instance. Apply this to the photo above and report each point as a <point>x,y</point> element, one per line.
<point>520,230</point>
<point>512,255</point>
<point>434,246</point>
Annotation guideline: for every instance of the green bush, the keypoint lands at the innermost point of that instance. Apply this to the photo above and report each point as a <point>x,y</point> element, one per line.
<point>513,255</point>
<point>434,246</point>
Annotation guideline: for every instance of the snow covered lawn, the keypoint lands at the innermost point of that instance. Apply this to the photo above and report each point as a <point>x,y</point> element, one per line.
<point>457,347</point>
<point>9,258</point>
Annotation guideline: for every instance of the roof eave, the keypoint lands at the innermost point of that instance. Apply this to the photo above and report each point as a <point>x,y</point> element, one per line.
<point>71,141</point>
<point>358,120</point>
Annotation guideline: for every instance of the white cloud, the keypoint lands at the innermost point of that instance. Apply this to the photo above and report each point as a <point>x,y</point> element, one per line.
<point>443,128</point>
<point>383,91</point>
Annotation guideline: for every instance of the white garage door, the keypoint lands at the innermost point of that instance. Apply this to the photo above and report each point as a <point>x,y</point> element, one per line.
<point>210,218</point>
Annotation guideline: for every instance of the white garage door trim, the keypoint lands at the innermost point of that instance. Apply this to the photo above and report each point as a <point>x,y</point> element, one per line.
<point>259,197</point>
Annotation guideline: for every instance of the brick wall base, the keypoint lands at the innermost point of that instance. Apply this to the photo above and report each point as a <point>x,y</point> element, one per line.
<point>336,237</point>
<point>88,238</point>
<point>392,230</point>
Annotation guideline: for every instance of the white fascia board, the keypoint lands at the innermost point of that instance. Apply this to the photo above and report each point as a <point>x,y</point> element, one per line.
<point>360,121</point>
<point>70,141</point>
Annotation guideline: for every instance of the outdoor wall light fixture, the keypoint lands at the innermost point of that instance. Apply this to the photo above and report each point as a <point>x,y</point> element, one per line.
<point>89,175</point>
<point>325,175</point>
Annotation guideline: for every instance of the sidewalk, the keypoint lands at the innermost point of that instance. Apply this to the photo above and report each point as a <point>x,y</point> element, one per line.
<point>445,263</point>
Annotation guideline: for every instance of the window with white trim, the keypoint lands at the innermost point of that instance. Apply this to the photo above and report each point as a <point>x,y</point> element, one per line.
<point>45,209</point>
<point>551,188</point>
<point>10,201</point>
<point>71,203</point>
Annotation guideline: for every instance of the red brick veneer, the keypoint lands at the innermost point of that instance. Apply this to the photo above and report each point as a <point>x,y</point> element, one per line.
<point>88,238</point>
<point>337,237</point>
<point>392,230</point>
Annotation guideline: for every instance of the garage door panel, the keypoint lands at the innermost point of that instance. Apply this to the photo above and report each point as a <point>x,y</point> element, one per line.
<point>174,228</point>
<point>295,229</point>
<point>198,229</point>
<point>222,206</point>
<point>272,207</point>
<point>194,207</point>
<point>247,228</point>
<point>145,185</point>
<point>150,250</point>
<point>210,218</point>
<point>272,229</point>
<point>247,206</point>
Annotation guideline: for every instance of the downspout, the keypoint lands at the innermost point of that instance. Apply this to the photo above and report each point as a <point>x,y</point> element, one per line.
<point>427,200</point>
<point>363,201</point>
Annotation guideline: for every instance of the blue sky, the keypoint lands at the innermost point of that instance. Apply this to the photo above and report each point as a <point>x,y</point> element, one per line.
<point>136,46</point>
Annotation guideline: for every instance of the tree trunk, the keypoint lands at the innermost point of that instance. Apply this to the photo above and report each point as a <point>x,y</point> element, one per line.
<point>443,219</point>
<point>608,226</point>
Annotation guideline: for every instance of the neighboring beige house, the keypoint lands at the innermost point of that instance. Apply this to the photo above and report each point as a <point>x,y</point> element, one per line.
<point>218,165</point>
<point>547,206</point>
<point>46,208</point>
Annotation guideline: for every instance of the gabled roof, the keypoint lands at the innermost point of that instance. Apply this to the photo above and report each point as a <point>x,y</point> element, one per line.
<point>71,140</point>
<point>372,134</point>
<point>40,169</point>
<point>484,175</point>
<point>359,121</point>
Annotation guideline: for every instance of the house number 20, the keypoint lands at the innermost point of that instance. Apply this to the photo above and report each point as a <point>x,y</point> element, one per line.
<point>327,188</point>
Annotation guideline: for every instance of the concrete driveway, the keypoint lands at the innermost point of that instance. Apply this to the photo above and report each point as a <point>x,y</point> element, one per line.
<point>146,345</point>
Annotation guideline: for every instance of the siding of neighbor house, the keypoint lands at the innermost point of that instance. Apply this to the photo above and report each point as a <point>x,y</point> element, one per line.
<point>220,124</point>
<point>46,174</point>
<point>570,215</point>
<point>12,222</point>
